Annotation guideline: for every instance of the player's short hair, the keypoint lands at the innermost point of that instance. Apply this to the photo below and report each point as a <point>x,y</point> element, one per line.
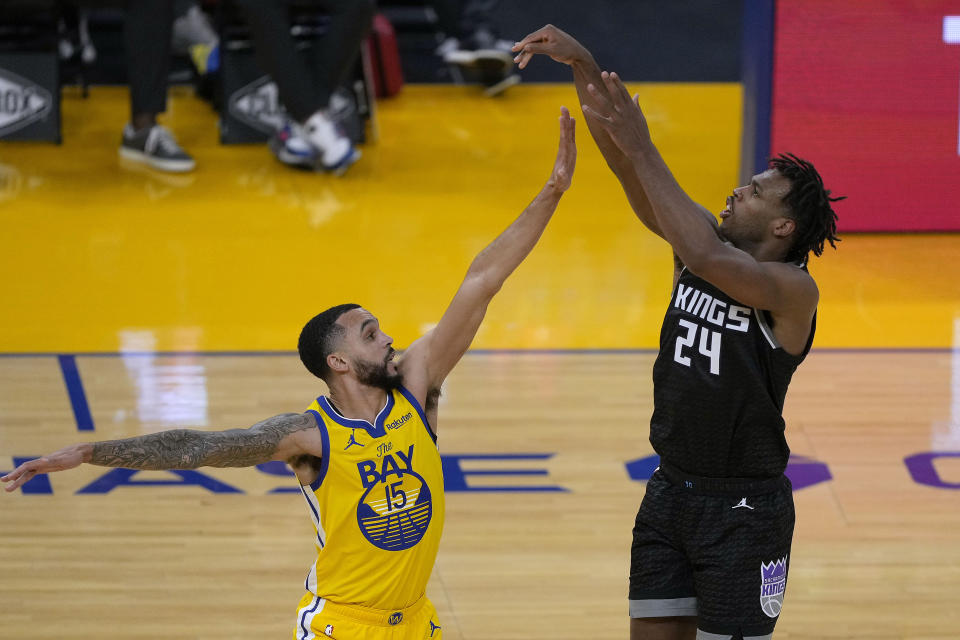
<point>809,205</point>
<point>320,337</point>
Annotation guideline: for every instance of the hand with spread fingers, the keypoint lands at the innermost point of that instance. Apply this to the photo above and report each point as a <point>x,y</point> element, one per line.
<point>619,115</point>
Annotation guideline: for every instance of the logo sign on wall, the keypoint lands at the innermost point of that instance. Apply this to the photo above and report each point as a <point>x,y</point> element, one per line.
<point>22,102</point>
<point>257,105</point>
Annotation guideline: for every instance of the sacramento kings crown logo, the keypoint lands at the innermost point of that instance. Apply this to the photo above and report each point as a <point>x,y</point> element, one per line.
<point>773,583</point>
<point>395,512</point>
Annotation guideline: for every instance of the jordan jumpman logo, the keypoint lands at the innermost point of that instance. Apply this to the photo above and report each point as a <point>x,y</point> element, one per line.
<point>434,627</point>
<point>353,440</point>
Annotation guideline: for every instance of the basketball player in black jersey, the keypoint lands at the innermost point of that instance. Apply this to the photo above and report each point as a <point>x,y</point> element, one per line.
<point>711,543</point>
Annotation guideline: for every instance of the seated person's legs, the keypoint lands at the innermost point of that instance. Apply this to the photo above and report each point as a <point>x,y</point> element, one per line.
<point>312,140</point>
<point>147,32</point>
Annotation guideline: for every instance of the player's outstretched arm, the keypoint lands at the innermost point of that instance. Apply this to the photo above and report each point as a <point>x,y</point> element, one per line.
<point>272,439</point>
<point>777,287</point>
<point>427,361</point>
<point>562,47</point>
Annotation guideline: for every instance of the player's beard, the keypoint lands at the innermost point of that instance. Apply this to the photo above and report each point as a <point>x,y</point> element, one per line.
<point>375,374</point>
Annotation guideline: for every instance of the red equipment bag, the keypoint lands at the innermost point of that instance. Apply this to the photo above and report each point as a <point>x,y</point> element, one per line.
<point>384,56</point>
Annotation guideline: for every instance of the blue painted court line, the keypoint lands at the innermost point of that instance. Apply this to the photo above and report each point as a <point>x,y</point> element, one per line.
<point>78,399</point>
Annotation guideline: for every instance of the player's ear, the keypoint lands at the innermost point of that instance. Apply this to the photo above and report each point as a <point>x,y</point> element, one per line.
<point>337,363</point>
<point>784,227</point>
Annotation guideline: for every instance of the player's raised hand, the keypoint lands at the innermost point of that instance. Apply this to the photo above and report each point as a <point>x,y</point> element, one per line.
<point>619,115</point>
<point>550,41</point>
<point>566,160</point>
<point>66,458</point>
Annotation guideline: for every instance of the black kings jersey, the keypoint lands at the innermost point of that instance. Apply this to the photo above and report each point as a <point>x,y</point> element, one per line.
<point>718,386</point>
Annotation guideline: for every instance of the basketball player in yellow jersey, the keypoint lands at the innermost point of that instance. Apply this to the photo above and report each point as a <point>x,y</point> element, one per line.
<point>365,454</point>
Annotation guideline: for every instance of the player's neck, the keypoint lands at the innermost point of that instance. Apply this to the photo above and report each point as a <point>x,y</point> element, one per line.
<point>357,401</point>
<point>766,251</point>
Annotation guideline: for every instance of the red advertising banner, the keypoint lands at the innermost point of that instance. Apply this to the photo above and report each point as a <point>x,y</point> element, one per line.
<point>870,93</point>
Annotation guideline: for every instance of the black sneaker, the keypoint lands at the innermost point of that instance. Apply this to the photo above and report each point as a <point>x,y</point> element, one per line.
<point>155,146</point>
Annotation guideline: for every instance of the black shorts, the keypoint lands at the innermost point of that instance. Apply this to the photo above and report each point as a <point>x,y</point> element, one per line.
<point>703,549</point>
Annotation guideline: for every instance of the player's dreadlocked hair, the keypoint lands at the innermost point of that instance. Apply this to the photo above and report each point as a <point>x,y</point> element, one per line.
<point>319,338</point>
<point>809,204</point>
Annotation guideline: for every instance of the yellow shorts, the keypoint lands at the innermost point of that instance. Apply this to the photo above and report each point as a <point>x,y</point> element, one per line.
<point>320,619</point>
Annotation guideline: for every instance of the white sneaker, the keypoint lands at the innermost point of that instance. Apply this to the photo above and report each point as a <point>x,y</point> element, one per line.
<point>290,146</point>
<point>336,151</point>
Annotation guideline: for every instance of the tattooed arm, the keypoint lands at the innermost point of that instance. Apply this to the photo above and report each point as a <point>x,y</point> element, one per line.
<point>277,438</point>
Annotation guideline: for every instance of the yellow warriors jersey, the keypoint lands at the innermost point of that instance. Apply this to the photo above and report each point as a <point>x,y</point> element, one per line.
<point>377,504</point>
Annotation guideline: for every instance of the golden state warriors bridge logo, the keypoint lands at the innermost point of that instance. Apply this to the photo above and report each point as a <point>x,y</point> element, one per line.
<point>395,510</point>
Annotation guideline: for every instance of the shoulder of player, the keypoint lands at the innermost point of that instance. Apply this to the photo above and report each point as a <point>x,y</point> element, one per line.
<point>794,276</point>
<point>798,291</point>
<point>303,431</point>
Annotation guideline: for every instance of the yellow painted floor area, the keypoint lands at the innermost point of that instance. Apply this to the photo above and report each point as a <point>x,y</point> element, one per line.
<point>240,253</point>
